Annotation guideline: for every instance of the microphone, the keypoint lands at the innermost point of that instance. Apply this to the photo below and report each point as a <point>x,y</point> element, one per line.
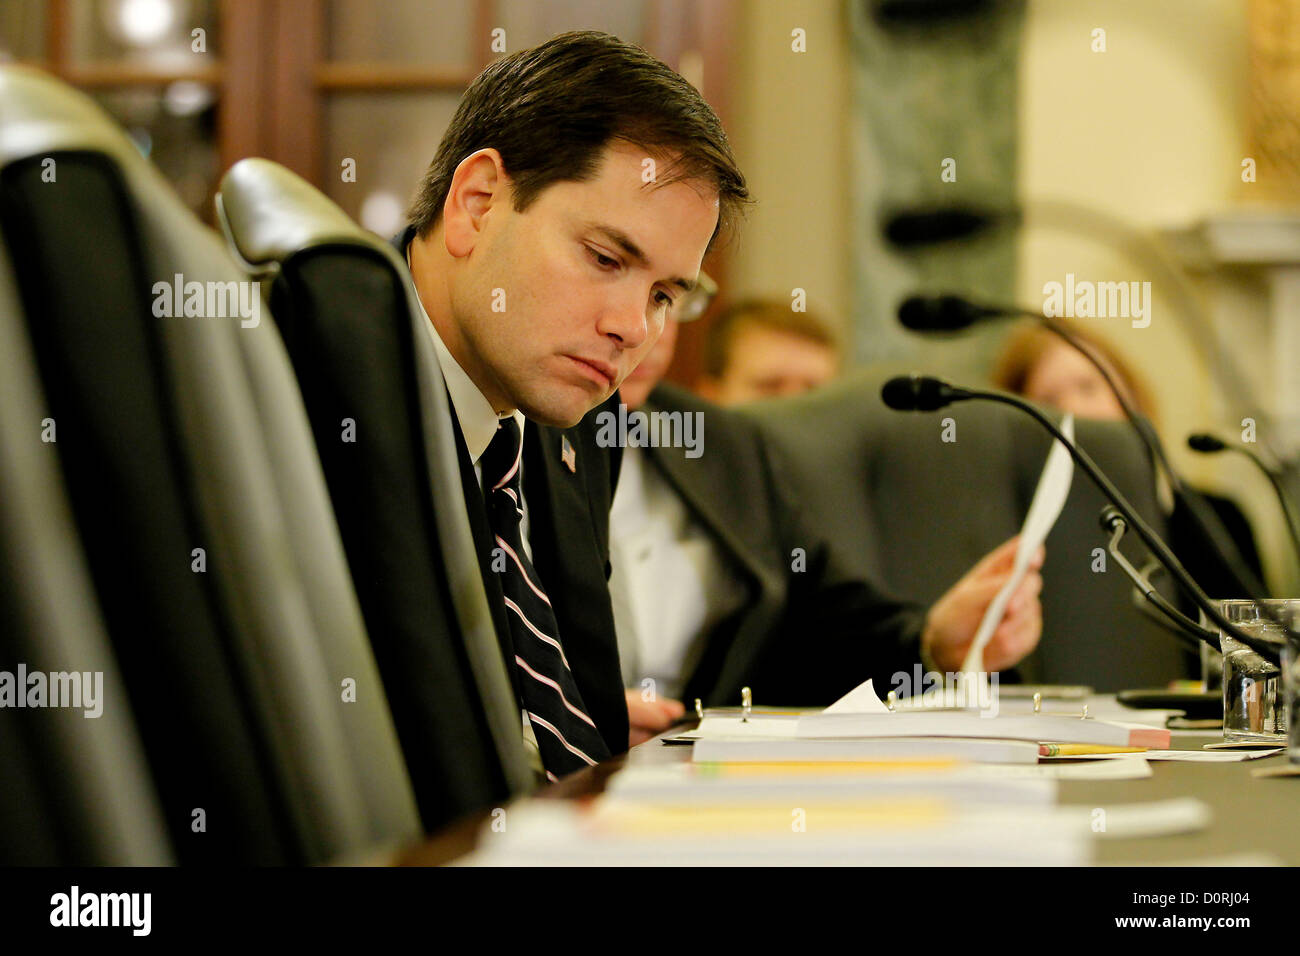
<point>903,14</point>
<point>1180,625</point>
<point>917,393</point>
<point>929,225</point>
<point>942,313</point>
<point>926,393</point>
<point>952,313</point>
<point>1208,444</point>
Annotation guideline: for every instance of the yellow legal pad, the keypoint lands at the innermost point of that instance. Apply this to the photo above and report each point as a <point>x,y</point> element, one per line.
<point>626,818</point>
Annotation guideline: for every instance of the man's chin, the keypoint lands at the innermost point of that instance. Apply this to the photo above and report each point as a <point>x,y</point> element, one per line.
<point>559,414</point>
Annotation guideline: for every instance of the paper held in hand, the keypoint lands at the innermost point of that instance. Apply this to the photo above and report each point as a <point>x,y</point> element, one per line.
<point>1049,498</point>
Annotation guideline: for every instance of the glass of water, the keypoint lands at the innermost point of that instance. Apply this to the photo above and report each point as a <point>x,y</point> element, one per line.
<point>1254,705</point>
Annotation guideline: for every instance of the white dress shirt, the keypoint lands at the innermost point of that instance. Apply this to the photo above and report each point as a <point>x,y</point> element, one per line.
<point>670,582</point>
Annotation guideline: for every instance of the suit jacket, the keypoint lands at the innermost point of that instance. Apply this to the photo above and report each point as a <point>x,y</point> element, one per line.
<point>810,631</point>
<point>568,513</point>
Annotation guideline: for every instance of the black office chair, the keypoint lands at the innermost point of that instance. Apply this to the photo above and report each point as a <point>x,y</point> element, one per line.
<point>77,790</point>
<point>379,409</point>
<point>198,505</point>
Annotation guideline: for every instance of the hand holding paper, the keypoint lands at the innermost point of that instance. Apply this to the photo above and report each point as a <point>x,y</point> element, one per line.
<point>1049,498</point>
<point>956,616</point>
<point>997,600</point>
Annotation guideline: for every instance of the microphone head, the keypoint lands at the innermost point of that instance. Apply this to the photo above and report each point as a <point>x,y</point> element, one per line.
<point>939,313</point>
<point>1205,443</point>
<point>922,226</point>
<point>916,393</point>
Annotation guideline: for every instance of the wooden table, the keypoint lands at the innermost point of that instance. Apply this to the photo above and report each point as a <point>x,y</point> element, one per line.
<point>1250,815</point>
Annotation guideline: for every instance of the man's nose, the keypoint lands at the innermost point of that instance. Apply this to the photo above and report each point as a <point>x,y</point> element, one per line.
<point>624,321</point>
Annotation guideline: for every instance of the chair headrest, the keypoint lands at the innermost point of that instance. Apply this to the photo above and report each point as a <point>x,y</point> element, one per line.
<point>40,114</point>
<point>269,213</point>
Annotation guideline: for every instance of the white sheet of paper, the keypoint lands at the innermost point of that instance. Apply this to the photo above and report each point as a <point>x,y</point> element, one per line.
<point>1185,756</point>
<point>1136,769</point>
<point>1150,819</point>
<point>729,728</point>
<point>861,700</point>
<point>1049,498</point>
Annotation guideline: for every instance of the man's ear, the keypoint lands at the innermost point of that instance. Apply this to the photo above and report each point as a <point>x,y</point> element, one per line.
<point>479,183</point>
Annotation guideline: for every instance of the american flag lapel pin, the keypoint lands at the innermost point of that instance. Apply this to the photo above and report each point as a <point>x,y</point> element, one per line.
<point>568,455</point>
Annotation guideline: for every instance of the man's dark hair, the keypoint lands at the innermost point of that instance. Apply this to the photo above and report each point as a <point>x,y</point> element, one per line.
<point>551,110</point>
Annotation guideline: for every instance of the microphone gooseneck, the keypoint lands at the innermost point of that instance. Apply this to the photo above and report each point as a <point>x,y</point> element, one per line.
<point>926,393</point>
<point>952,313</point>
<point>1180,625</point>
<point>1208,444</point>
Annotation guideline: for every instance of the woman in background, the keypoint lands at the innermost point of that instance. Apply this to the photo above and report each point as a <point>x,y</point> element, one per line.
<point>1037,364</point>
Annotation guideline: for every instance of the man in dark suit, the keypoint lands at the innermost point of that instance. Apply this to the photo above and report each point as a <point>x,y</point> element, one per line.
<point>570,203</point>
<point>761,598</point>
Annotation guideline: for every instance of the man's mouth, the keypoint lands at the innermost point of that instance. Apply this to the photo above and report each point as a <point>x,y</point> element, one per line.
<point>600,373</point>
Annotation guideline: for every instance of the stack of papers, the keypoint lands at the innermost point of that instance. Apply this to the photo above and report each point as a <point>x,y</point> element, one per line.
<point>857,785</point>
<point>858,727</point>
<point>886,832</point>
<point>640,826</point>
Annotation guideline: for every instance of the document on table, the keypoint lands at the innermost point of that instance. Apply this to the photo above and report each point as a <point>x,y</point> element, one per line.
<point>700,783</point>
<point>861,700</point>
<point>1049,728</point>
<point>1188,756</point>
<point>1135,768</point>
<point>1049,498</point>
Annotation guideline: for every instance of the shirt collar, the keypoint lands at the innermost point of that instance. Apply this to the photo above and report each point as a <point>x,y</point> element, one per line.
<point>478,419</point>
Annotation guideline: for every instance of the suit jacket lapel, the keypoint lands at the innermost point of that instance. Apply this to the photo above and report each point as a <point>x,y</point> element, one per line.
<point>728,517</point>
<point>741,523</point>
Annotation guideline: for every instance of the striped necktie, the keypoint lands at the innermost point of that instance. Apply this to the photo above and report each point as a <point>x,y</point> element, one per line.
<point>566,737</point>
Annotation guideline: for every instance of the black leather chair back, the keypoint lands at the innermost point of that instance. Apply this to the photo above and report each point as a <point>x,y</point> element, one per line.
<point>188,470</point>
<point>378,409</point>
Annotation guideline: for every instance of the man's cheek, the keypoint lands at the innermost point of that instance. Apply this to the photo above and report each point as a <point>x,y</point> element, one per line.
<point>654,331</point>
<point>646,347</point>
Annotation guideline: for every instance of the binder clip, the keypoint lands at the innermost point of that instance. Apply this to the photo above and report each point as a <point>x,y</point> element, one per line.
<point>746,704</point>
<point>1038,709</point>
<point>891,700</point>
<point>699,708</point>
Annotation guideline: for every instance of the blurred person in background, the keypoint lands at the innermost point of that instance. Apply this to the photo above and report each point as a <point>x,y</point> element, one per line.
<point>761,348</point>
<point>1039,365</point>
<point>716,531</point>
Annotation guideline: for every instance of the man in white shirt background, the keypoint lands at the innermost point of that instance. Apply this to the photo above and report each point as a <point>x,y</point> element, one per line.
<point>716,528</point>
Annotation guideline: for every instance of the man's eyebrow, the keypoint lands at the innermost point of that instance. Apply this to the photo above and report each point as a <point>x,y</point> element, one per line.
<point>621,239</point>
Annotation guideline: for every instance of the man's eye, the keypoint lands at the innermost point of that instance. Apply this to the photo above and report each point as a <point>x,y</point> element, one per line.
<point>604,261</point>
<point>664,299</point>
